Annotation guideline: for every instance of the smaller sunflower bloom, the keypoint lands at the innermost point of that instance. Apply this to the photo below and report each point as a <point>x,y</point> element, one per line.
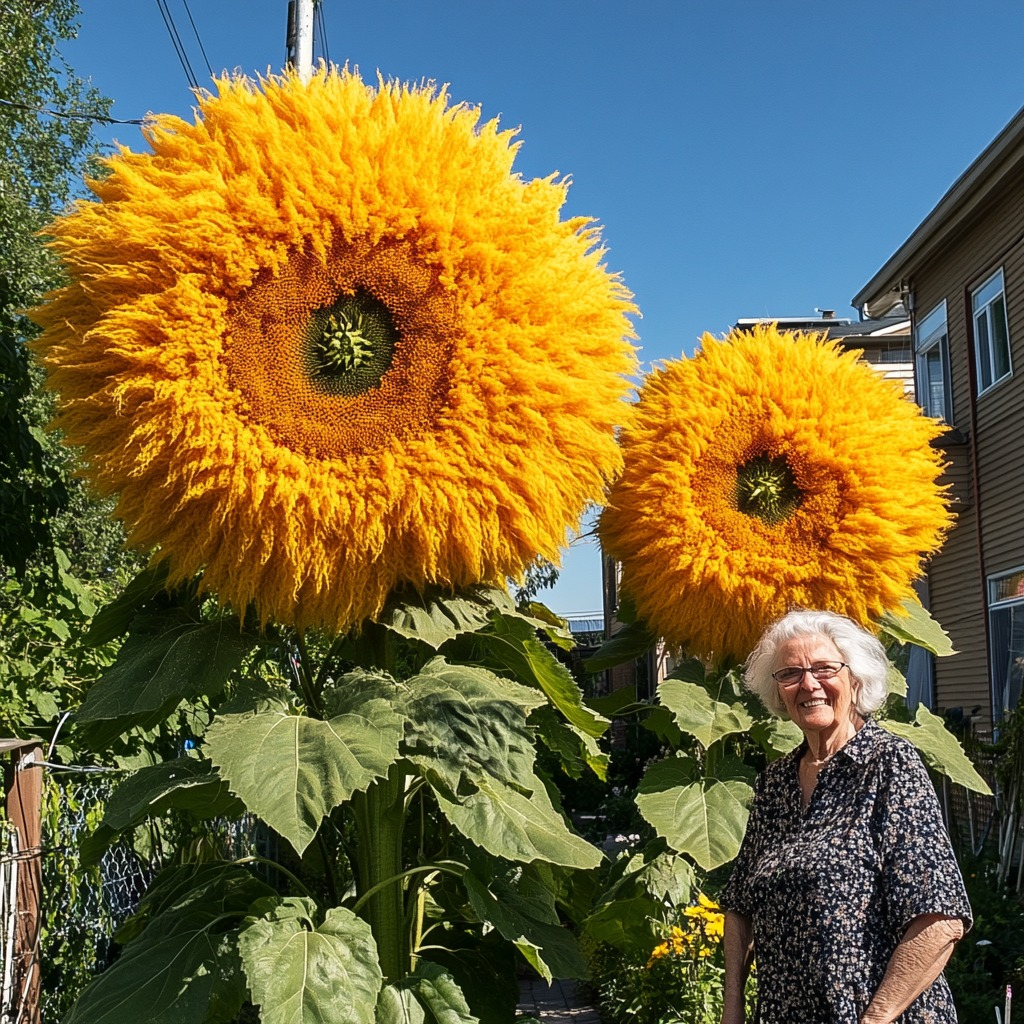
<point>772,470</point>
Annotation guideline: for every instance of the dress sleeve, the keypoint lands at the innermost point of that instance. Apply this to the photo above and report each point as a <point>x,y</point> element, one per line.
<point>920,874</point>
<point>737,895</point>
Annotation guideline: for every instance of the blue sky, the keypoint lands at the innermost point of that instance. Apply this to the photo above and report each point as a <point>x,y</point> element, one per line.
<point>745,157</point>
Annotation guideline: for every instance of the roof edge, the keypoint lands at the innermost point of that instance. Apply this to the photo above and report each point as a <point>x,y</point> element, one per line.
<point>963,197</point>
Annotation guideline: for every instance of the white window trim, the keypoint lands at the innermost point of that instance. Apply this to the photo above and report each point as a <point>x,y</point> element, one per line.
<point>995,605</point>
<point>923,344</point>
<point>984,389</point>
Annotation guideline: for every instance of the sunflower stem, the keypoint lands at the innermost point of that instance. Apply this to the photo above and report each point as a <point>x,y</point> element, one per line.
<point>380,820</point>
<point>305,676</point>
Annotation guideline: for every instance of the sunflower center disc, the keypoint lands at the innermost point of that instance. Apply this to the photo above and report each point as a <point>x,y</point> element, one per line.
<point>767,489</point>
<point>350,344</point>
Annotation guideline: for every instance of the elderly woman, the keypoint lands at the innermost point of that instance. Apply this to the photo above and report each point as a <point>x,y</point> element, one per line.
<point>845,889</point>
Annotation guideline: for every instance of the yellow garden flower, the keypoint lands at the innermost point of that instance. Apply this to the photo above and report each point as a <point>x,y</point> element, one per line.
<point>772,470</point>
<point>323,342</point>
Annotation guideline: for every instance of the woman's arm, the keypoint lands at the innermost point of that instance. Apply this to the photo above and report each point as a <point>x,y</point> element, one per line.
<point>738,938</point>
<point>915,963</point>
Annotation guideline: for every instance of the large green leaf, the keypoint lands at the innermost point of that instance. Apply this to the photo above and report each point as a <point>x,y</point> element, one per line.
<point>700,715</point>
<point>185,783</point>
<point>704,817</point>
<point>174,660</point>
<point>629,642</point>
<point>292,771</point>
<point>940,749</point>
<point>184,964</point>
<point>114,619</point>
<point>914,625</point>
<point>397,1004</point>
<point>301,972</point>
<point>776,736</point>
<point>576,750</point>
<point>464,721</point>
<point>523,911</point>
<point>512,645</point>
<point>435,617</point>
<point>516,826</point>
<point>433,991</point>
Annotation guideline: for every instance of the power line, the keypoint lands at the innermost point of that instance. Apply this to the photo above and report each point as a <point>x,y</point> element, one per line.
<point>322,26</point>
<point>179,49</point>
<point>72,114</point>
<point>202,49</point>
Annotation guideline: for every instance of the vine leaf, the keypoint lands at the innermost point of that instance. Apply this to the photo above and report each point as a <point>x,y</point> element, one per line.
<point>292,771</point>
<point>703,816</point>
<point>300,972</point>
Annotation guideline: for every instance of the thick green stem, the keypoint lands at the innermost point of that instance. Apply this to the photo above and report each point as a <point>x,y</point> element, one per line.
<point>380,819</point>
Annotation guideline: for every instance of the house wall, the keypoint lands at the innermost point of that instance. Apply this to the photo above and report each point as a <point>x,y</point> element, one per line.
<point>995,441</point>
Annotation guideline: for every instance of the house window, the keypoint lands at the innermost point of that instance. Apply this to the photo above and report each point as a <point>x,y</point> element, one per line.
<point>991,333</point>
<point>931,341</point>
<point>1006,635</point>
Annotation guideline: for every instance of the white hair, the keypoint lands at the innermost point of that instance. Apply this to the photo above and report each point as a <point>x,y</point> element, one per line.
<point>862,652</point>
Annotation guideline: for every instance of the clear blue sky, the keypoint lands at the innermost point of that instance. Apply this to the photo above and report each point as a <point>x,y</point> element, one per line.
<point>745,157</point>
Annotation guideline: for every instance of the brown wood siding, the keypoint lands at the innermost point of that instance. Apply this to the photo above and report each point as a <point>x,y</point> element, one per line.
<point>956,580</point>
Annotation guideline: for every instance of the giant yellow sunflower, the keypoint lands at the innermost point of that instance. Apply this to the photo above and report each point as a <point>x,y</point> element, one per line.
<point>323,342</point>
<point>772,470</point>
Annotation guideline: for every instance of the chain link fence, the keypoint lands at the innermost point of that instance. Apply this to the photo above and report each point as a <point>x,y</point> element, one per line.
<point>83,906</point>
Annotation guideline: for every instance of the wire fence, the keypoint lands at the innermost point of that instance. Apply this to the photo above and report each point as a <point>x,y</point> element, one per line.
<point>83,906</point>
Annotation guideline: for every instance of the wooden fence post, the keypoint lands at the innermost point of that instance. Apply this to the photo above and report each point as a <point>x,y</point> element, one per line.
<point>23,788</point>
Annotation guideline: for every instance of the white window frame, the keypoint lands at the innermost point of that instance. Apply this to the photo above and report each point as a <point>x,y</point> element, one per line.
<point>931,350</point>
<point>988,314</point>
<point>1007,663</point>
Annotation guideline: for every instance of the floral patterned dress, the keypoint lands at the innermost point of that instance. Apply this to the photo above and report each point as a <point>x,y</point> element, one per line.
<point>831,888</point>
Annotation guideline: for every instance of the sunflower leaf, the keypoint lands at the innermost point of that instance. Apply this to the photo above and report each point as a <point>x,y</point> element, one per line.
<point>185,783</point>
<point>173,661</point>
<point>509,824</point>
<point>114,619</point>
<point>523,910</point>
<point>184,963</point>
<point>703,816</point>
<point>512,645</point>
<point>940,749</point>
<point>912,624</point>
<point>300,971</point>
<point>462,720</point>
<point>576,751</point>
<point>631,641</point>
<point>429,989</point>
<point>776,736</point>
<point>292,771</point>
<point>435,618</point>
<point>699,715</point>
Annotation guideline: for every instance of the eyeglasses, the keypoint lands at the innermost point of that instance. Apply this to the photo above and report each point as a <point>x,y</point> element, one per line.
<point>793,675</point>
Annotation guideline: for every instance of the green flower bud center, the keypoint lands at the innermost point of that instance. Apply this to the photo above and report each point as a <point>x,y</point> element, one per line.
<point>350,344</point>
<point>766,489</point>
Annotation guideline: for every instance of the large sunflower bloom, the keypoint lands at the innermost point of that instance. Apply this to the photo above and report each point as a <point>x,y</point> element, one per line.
<point>772,470</point>
<point>323,342</point>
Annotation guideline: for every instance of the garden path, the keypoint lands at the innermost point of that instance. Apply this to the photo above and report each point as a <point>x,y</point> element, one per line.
<point>557,1003</point>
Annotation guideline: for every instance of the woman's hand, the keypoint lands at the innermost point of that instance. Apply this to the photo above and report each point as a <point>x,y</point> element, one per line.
<point>917,961</point>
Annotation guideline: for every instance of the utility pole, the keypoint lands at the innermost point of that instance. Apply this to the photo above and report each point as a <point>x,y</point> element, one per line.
<point>300,37</point>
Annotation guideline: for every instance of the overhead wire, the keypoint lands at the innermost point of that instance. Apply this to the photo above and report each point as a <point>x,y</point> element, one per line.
<point>72,114</point>
<point>202,49</point>
<point>179,49</point>
<point>322,26</point>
